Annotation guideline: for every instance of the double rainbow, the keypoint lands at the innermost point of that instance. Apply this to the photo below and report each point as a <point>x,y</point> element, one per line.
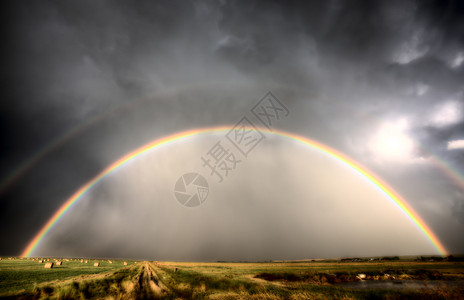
<point>355,166</point>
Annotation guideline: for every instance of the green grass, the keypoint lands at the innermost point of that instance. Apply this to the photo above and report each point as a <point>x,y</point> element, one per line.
<point>23,275</point>
<point>297,279</point>
<point>242,269</point>
<point>274,280</point>
<point>211,282</point>
<point>111,285</point>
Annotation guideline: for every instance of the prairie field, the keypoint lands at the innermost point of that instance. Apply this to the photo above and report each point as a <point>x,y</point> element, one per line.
<point>73,279</point>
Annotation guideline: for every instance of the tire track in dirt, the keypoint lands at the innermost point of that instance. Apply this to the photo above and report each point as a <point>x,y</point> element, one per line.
<point>148,284</point>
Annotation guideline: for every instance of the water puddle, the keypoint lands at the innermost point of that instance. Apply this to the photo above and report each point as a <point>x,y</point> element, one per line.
<point>401,284</point>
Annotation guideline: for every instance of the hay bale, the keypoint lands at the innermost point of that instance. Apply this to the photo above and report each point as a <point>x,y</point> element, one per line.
<point>110,261</point>
<point>125,263</point>
<point>48,265</point>
<point>82,260</point>
<point>41,261</point>
<point>97,264</point>
<point>58,263</point>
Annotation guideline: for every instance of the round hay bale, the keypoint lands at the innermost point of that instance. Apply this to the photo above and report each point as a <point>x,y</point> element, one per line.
<point>48,265</point>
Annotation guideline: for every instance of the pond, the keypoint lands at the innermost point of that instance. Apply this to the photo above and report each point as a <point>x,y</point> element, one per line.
<point>401,284</point>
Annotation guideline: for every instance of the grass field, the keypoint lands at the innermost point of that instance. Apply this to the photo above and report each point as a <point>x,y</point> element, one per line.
<point>21,275</point>
<point>23,278</point>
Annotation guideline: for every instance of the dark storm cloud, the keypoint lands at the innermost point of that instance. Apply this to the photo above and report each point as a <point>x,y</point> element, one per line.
<point>342,67</point>
<point>435,139</point>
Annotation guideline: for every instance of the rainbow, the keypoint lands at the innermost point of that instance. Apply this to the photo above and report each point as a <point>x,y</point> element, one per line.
<point>448,170</point>
<point>391,194</point>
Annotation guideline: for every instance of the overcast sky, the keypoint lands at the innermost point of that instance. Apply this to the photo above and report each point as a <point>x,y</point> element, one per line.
<point>86,82</point>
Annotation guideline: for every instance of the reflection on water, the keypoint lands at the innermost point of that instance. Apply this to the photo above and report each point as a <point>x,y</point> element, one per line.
<point>401,284</point>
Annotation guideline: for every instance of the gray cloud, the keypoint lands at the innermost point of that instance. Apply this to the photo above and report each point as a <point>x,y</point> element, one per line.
<point>128,73</point>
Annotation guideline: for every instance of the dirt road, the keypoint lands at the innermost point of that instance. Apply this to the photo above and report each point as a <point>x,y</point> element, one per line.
<point>148,284</point>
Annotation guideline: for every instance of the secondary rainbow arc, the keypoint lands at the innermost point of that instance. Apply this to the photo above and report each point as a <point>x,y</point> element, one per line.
<point>391,194</point>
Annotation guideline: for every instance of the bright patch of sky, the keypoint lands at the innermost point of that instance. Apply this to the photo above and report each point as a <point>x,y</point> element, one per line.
<point>456,144</point>
<point>445,114</point>
<point>391,142</point>
<point>458,60</point>
<point>411,49</point>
